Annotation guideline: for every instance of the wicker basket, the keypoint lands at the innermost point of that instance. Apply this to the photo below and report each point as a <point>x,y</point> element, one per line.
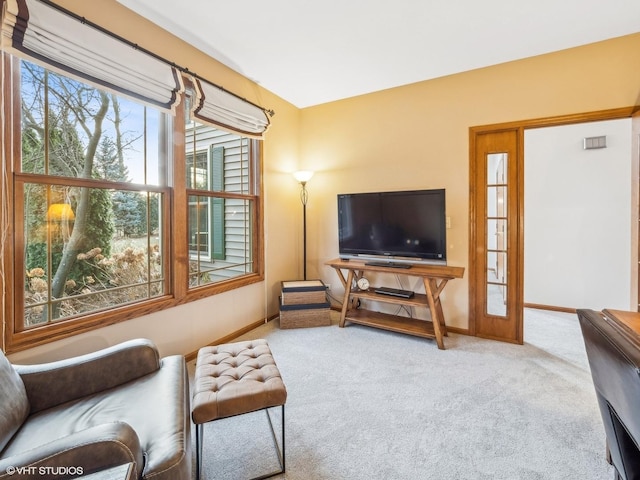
<point>305,315</point>
<point>297,292</point>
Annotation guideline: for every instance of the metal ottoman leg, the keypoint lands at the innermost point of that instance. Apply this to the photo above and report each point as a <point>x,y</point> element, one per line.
<point>281,453</point>
<point>199,433</point>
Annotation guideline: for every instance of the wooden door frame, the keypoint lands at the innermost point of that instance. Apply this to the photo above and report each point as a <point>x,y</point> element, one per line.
<point>520,127</point>
<point>635,210</point>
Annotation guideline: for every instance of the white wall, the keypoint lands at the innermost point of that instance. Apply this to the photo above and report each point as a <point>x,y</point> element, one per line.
<point>578,217</point>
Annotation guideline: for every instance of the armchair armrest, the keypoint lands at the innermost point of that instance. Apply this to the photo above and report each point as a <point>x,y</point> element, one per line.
<point>51,384</point>
<point>83,452</point>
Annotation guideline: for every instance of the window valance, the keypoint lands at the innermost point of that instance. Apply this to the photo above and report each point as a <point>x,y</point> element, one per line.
<point>223,109</point>
<point>40,32</point>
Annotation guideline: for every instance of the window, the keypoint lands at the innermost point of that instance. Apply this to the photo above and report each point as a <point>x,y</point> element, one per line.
<point>221,192</point>
<point>97,221</point>
<point>89,200</point>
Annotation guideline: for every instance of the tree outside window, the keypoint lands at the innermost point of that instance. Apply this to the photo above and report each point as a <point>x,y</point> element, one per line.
<point>91,214</point>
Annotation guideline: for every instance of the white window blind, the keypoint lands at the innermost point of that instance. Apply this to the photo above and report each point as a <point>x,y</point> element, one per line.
<point>222,109</point>
<point>42,33</point>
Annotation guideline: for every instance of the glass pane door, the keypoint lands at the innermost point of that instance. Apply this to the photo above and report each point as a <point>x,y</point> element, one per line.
<point>496,229</point>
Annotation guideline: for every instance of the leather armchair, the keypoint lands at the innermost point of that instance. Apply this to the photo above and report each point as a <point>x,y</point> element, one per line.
<point>122,404</point>
<point>614,360</point>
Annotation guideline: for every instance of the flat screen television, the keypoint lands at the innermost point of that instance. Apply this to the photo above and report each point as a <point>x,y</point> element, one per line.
<point>395,227</point>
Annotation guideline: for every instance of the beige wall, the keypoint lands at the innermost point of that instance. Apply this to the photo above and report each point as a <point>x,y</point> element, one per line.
<point>417,137</point>
<point>410,137</point>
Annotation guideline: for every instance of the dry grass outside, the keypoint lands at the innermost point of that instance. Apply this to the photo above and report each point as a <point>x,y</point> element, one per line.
<point>131,273</point>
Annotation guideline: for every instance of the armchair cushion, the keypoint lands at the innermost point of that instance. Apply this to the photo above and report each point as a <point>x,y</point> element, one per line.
<point>14,405</point>
<point>54,383</point>
<point>89,450</point>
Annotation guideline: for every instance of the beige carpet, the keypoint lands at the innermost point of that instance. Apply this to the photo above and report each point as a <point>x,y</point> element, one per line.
<point>369,404</point>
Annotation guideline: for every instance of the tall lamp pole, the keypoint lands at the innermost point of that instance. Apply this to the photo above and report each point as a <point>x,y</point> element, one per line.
<point>303,176</point>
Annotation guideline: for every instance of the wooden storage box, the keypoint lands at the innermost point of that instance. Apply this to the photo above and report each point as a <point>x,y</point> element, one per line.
<point>297,292</point>
<point>305,315</point>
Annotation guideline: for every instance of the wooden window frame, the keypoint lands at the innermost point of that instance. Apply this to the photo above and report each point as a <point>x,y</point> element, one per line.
<point>175,226</point>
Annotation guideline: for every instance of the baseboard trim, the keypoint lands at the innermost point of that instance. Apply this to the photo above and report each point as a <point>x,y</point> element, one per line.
<point>461,331</point>
<point>550,307</point>
<point>232,336</point>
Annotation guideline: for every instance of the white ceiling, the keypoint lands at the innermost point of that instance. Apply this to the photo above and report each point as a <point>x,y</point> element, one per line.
<point>315,52</point>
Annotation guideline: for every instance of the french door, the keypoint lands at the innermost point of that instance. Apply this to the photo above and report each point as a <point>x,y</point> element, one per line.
<point>496,304</point>
<point>496,236</point>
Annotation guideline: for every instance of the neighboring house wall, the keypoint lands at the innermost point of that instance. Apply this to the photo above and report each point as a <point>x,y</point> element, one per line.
<point>578,217</point>
<point>225,239</point>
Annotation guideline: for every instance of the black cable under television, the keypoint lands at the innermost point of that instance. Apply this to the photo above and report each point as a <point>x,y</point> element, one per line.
<point>393,228</point>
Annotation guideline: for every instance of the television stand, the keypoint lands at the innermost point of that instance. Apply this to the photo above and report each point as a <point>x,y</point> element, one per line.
<point>388,264</point>
<point>435,277</point>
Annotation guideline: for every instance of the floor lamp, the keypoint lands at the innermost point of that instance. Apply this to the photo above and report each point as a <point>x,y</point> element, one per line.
<point>303,176</point>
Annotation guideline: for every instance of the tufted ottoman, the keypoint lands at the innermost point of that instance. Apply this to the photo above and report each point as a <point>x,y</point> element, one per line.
<point>233,379</point>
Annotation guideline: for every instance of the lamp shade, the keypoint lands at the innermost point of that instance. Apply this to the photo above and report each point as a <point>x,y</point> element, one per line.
<point>59,212</point>
<point>303,176</point>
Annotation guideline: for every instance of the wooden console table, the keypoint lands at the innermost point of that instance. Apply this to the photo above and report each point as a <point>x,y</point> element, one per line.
<point>435,277</point>
<point>628,323</point>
